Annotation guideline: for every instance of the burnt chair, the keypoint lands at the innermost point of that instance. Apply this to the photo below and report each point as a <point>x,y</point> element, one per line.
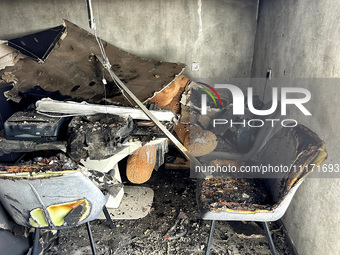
<point>52,200</point>
<point>264,196</point>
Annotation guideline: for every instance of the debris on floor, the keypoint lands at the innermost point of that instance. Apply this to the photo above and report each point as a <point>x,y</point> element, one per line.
<point>174,193</point>
<point>178,230</point>
<point>237,194</point>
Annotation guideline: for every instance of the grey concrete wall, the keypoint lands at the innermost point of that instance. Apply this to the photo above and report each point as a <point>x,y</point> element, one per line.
<point>302,39</point>
<point>219,34</point>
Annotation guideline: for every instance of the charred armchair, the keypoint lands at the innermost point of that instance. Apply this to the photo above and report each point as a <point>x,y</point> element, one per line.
<point>262,196</point>
<point>52,200</point>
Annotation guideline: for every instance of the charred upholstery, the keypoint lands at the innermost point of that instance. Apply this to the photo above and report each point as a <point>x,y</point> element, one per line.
<point>51,193</point>
<point>294,147</point>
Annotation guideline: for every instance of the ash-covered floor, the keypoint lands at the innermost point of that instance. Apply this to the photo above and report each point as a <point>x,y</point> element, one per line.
<point>174,193</point>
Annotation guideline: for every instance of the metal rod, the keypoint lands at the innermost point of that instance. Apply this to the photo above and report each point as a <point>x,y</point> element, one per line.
<point>36,237</point>
<point>93,247</point>
<point>270,239</point>
<point>211,235</point>
<point>171,137</point>
<point>107,216</point>
<point>90,14</point>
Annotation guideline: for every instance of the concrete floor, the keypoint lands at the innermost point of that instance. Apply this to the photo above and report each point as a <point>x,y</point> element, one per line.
<point>174,193</point>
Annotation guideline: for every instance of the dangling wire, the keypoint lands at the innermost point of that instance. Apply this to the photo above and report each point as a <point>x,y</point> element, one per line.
<point>106,64</point>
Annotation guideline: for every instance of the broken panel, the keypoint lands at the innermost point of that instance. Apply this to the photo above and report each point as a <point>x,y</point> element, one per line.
<point>73,70</point>
<point>8,55</point>
<point>39,45</point>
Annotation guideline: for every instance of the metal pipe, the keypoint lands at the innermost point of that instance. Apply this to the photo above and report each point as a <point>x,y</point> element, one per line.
<point>36,243</point>
<point>90,14</point>
<point>211,235</point>
<point>270,239</point>
<point>93,247</point>
<point>107,216</point>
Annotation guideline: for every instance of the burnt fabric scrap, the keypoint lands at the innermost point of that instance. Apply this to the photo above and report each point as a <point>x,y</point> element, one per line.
<point>40,165</point>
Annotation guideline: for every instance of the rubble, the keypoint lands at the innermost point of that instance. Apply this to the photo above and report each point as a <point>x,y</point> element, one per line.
<point>93,139</point>
<point>178,230</point>
<point>97,136</point>
<point>227,193</point>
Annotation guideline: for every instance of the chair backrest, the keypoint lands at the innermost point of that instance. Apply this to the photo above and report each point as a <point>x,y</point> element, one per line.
<point>51,200</point>
<point>295,152</point>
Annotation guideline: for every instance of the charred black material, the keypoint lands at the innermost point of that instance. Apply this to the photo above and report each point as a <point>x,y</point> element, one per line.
<point>96,136</point>
<point>73,217</point>
<point>32,126</point>
<point>242,194</point>
<point>9,146</point>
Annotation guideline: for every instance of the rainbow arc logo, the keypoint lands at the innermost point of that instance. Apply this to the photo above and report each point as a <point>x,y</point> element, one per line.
<point>204,97</point>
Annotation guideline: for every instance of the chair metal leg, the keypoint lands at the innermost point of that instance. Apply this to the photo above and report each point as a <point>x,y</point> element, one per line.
<point>108,218</point>
<point>93,247</point>
<point>211,235</point>
<point>270,239</point>
<point>36,243</point>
